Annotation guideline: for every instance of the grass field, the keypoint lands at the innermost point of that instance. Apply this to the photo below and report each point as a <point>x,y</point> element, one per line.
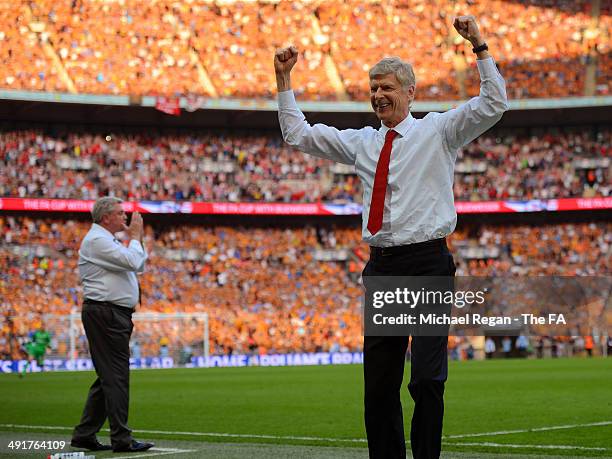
<point>554,408</point>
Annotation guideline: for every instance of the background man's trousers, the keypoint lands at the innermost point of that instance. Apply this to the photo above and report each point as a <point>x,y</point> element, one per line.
<point>108,329</point>
<point>384,359</point>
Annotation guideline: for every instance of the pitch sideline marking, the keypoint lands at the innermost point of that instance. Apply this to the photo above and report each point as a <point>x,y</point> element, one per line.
<point>201,434</point>
<point>534,429</point>
<point>350,440</point>
<point>155,451</point>
<point>510,445</point>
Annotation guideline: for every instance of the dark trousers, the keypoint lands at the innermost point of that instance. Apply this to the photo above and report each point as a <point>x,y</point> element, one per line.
<point>384,359</point>
<point>108,329</point>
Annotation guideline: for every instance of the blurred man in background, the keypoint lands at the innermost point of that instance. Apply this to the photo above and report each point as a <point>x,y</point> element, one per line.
<point>36,348</point>
<point>110,287</point>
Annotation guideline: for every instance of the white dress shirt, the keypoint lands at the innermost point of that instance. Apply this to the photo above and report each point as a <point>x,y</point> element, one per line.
<point>108,268</point>
<point>419,202</point>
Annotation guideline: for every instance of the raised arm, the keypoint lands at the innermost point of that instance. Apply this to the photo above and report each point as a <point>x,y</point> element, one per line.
<point>318,140</point>
<point>284,60</point>
<point>466,122</point>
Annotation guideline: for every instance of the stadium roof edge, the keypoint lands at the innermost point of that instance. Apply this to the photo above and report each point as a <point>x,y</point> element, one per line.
<point>270,105</point>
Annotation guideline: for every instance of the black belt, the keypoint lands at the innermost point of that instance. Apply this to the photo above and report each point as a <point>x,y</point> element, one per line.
<point>108,304</point>
<point>378,252</point>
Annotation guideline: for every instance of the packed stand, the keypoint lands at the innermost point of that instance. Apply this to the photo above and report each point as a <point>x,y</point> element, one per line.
<point>543,166</point>
<point>240,39</point>
<point>23,62</point>
<point>107,48</point>
<point>256,167</point>
<point>541,50</point>
<point>225,48</point>
<point>266,290</point>
<point>363,32</point>
<point>142,167</point>
<point>602,49</point>
<point>604,73</point>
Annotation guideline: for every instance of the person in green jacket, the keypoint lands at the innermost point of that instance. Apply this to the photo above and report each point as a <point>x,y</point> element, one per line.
<point>36,348</point>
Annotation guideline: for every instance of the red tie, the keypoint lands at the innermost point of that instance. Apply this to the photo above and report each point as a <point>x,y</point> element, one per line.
<point>377,204</point>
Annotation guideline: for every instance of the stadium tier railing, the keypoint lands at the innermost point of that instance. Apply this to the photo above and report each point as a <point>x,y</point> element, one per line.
<point>205,103</point>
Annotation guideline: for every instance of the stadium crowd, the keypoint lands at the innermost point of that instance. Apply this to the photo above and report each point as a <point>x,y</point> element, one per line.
<point>265,290</point>
<point>204,47</point>
<point>260,167</point>
<point>24,64</point>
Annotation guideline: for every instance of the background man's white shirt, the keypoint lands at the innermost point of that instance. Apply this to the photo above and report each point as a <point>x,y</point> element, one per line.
<point>108,269</point>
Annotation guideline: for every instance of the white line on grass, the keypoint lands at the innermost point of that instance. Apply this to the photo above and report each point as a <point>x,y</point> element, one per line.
<point>154,452</point>
<point>201,434</point>
<point>342,440</point>
<point>258,436</point>
<point>534,429</point>
<point>509,445</point>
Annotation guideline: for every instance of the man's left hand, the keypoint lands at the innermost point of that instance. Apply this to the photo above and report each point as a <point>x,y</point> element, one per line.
<point>466,27</point>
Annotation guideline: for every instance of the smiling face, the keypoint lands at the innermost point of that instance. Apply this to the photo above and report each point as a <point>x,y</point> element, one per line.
<point>390,101</point>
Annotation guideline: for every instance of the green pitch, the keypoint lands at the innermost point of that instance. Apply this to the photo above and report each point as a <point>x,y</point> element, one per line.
<point>555,407</point>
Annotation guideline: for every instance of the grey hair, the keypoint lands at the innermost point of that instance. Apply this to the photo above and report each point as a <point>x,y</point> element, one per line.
<point>103,206</point>
<point>401,69</point>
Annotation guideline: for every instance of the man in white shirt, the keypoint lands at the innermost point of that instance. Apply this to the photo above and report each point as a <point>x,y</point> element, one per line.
<point>110,288</point>
<point>406,168</point>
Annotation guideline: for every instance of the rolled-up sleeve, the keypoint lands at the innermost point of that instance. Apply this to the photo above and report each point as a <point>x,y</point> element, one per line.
<point>317,140</point>
<point>463,124</point>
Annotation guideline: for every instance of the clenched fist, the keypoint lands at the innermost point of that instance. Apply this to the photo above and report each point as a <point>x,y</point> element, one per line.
<point>466,27</point>
<point>285,59</point>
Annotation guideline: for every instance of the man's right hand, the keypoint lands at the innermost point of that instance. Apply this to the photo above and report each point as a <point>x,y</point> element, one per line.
<point>284,60</point>
<point>136,229</point>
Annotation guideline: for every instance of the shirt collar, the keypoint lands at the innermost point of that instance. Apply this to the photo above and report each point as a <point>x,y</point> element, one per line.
<point>402,128</point>
<point>102,230</point>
